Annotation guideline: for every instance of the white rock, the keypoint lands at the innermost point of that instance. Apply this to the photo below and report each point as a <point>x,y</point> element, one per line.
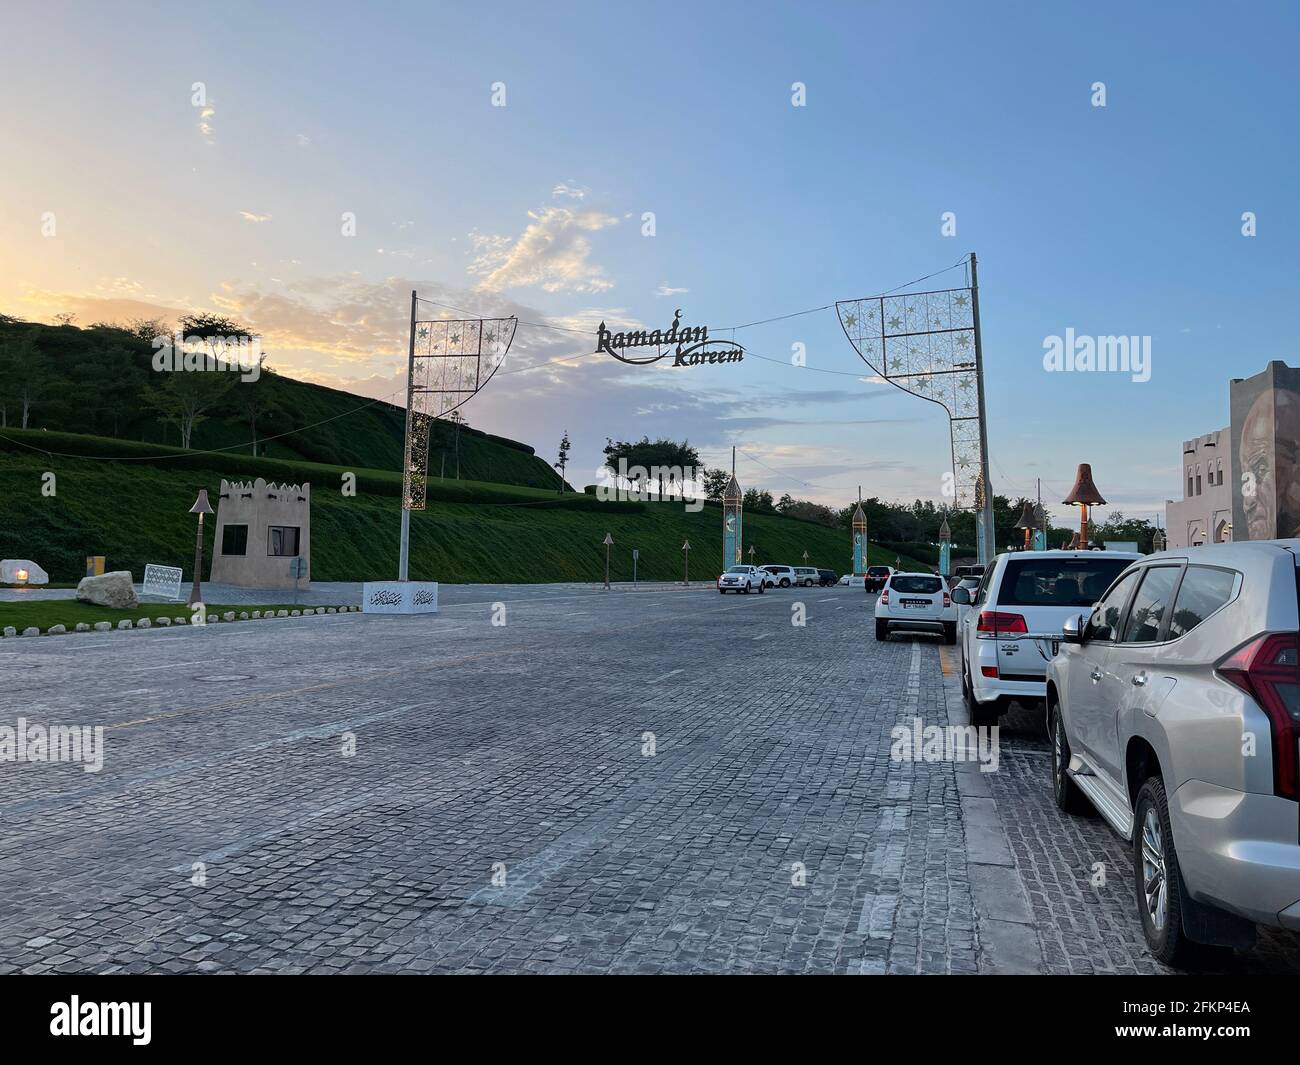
<point>9,571</point>
<point>56,630</point>
<point>125,623</point>
<point>212,619</point>
<point>103,626</point>
<point>31,631</point>
<point>295,613</point>
<point>282,613</point>
<point>10,631</point>
<point>308,612</point>
<point>81,626</point>
<point>229,615</point>
<point>330,610</point>
<point>143,623</point>
<point>257,615</point>
<point>243,615</point>
<point>164,622</point>
<point>178,621</point>
<point>111,589</point>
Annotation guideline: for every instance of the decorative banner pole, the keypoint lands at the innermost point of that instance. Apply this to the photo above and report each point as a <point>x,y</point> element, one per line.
<point>732,504</point>
<point>609,541</point>
<point>928,344</point>
<point>859,538</point>
<point>448,362</point>
<point>945,549</point>
<point>1083,495</point>
<point>686,572</point>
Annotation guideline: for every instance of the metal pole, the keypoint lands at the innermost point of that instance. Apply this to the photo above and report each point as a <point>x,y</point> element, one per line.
<point>404,554</point>
<point>196,593</point>
<point>990,543</point>
<point>607,567</point>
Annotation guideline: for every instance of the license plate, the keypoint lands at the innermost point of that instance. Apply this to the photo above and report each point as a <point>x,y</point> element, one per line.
<point>917,604</point>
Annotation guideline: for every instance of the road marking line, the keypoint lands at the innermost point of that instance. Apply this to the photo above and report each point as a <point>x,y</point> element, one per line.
<point>672,673</point>
<point>762,636</point>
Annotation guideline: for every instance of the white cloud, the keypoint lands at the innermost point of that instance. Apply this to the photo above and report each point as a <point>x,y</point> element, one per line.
<point>572,191</point>
<point>249,216</point>
<point>552,253</point>
<point>665,289</point>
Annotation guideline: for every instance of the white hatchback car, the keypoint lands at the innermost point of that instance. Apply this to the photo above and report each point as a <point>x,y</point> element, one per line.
<point>916,601</point>
<point>1011,630</point>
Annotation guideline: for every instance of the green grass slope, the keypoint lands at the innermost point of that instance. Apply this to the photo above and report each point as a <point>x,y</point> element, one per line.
<point>308,422</point>
<point>136,512</point>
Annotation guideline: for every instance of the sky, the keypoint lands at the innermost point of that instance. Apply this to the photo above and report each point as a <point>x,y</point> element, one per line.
<point>128,192</point>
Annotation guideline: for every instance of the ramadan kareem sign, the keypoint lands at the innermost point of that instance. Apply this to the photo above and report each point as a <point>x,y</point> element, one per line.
<point>688,346</point>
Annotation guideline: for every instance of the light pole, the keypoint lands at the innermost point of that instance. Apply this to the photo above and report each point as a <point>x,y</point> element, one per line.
<point>201,507</point>
<point>686,555</point>
<point>609,540</point>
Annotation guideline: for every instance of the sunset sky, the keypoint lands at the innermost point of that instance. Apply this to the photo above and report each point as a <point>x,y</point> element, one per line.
<point>1123,219</point>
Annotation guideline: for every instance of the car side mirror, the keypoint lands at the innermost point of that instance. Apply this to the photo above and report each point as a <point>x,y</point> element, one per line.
<point>1073,629</point>
<point>961,596</point>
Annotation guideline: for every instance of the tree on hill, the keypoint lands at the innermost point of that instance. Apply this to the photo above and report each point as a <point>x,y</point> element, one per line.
<point>28,377</point>
<point>184,399</point>
<point>116,381</point>
<point>715,483</point>
<point>255,401</point>
<point>563,462</point>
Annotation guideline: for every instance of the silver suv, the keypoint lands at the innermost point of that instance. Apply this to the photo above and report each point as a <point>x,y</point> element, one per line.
<point>1174,709</point>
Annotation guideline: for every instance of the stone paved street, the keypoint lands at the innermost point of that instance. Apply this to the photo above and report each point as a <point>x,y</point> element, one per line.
<point>628,781</point>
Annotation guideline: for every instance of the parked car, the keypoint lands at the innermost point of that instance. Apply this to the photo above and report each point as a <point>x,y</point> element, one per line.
<point>915,601</point>
<point>826,578</point>
<point>783,575</point>
<point>852,580</point>
<point>1174,709</point>
<point>806,576</point>
<point>971,584</point>
<point>744,579</point>
<point>876,577</point>
<point>1010,629</point>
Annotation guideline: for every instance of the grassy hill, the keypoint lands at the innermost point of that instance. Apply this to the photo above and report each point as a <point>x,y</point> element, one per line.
<point>130,502</point>
<point>90,381</point>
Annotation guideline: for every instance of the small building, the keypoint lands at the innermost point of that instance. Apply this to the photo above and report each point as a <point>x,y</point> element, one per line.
<point>261,530</point>
<point>1204,514</point>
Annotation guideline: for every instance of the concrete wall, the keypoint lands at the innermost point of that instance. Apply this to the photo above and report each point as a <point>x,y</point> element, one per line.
<point>260,506</point>
<point>1204,514</point>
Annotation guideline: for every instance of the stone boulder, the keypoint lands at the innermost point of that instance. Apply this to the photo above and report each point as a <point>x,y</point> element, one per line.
<point>111,589</point>
<point>9,571</point>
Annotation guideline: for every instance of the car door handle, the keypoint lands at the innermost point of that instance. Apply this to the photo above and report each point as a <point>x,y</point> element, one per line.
<point>1095,674</point>
<point>1140,678</point>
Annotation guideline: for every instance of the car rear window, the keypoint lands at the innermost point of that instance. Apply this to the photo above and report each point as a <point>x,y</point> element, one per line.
<point>1202,592</point>
<point>916,585</point>
<point>1058,581</point>
<point>877,571</point>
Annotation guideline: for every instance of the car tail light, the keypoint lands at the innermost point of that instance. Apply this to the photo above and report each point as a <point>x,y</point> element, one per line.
<point>998,621</point>
<point>989,671</point>
<point>947,600</point>
<point>884,596</point>
<point>1268,670</point>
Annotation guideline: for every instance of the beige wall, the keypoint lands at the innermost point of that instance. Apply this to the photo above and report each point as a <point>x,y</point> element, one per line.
<point>1206,507</point>
<point>260,506</point>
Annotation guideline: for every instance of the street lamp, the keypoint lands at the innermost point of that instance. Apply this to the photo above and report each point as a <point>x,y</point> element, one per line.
<point>1084,494</point>
<point>201,507</point>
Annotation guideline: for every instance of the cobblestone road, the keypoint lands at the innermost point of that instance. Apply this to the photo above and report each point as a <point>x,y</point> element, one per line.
<point>634,781</point>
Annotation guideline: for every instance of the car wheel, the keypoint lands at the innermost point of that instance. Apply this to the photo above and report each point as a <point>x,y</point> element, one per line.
<point>747,589</point>
<point>882,630</point>
<point>762,588</point>
<point>785,582</point>
<point>982,715</point>
<point>722,591</point>
<point>1067,794</point>
<point>950,632</point>
<point>1157,878</point>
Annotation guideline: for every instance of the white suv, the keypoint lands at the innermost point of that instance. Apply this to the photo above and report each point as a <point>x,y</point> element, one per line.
<point>785,576</point>
<point>807,576</point>
<point>1011,630</point>
<point>915,601</point>
<point>744,579</point>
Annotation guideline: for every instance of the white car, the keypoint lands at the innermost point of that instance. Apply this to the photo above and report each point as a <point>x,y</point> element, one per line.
<point>1011,628</point>
<point>852,580</point>
<point>916,601</point>
<point>785,576</point>
<point>807,576</point>
<point>745,579</point>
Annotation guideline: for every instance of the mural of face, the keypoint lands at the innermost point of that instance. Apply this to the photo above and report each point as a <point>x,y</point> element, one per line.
<point>1258,494</point>
<point>1286,445</point>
